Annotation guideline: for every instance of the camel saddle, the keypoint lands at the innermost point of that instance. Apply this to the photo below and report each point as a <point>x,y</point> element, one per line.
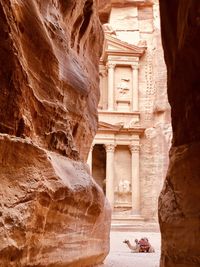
<point>144,245</point>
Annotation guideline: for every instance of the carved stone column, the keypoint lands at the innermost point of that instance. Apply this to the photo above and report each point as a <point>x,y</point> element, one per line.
<point>111,68</point>
<point>89,160</point>
<point>135,178</point>
<point>110,149</point>
<point>103,99</point>
<point>135,88</point>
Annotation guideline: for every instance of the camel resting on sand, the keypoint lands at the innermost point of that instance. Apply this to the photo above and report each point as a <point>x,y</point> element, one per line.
<point>140,246</point>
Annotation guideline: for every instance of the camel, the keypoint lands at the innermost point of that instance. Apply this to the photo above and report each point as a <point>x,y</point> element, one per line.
<point>140,246</point>
<point>134,249</point>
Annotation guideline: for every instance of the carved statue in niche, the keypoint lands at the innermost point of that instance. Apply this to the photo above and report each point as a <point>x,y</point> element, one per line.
<point>124,187</point>
<point>166,129</point>
<point>150,133</point>
<point>123,87</point>
<point>123,191</point>
<point>161,136</point>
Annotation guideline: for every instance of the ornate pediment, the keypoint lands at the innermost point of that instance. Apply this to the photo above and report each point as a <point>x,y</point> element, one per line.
<point>108,127</point>
<point>114,46</point>
<point>119,127</point>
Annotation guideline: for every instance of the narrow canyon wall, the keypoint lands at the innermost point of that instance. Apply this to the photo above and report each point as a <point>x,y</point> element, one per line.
<point>179,207</point>
<point>155,112</point>
<point>52,213</point>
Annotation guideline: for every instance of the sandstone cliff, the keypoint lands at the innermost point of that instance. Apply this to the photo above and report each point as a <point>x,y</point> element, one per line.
<point>179,207</point>
<point>52,213</point>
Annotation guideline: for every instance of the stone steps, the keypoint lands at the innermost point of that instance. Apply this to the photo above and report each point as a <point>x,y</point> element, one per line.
<point>133,223</point>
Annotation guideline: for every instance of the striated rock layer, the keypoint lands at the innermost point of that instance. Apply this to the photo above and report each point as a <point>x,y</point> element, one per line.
<point>52,213</point>
<point>179,207</point>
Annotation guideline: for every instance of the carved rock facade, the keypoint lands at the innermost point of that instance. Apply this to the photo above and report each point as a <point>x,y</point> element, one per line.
<point>52,213</point>
<point>134,114</point>
<point>179,207</point>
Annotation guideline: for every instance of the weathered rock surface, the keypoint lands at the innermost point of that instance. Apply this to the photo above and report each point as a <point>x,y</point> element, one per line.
<point>104,9</point>
<point>52,213</point>
<point>179,207</point>
<point>49,84</point>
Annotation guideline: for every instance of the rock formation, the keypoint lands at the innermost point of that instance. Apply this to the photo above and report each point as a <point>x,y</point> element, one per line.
<point>52,213</point>
<point>179,207</point>
<point>104,9</point>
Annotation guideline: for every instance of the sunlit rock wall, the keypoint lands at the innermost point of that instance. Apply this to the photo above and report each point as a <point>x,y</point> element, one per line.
<point>52,213</point>
<point>155,112</point>
<point>179,207</point>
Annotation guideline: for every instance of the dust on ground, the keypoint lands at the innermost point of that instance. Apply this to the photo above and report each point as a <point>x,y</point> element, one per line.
<point>120,255</point>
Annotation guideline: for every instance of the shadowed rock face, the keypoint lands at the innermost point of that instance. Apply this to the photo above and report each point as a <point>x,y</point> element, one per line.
<point>104,9</point>
<point>52,213</point>
<point>179,207</point>
<point>49,84</point>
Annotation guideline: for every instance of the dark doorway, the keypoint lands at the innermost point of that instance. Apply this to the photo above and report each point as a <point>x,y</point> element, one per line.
<point>99,166</point>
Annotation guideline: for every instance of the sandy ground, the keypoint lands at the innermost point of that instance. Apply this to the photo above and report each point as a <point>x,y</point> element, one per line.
<point>121,256</point>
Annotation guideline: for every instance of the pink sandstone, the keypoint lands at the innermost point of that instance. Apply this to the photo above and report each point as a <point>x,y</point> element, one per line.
<point>52,213</point>
<point>179,207</point>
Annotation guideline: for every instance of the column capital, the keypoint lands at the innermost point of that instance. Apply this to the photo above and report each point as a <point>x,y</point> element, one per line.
<point>135,66</point>
<point>110,147</point>
<point>110,65</point>
<point>134,148</point>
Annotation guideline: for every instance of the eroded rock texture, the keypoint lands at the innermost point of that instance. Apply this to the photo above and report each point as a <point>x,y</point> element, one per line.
<point>52,213</point>
<point>53,49</point>
<point>179,207</point>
